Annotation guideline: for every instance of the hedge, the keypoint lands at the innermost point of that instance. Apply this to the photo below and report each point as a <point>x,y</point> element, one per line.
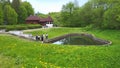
<point>20,27</point>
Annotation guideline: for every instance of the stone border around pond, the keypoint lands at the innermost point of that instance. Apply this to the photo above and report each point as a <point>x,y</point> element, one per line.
<point>104,42</point>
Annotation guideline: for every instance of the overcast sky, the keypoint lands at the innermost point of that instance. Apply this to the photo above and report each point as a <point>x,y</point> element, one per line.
<point>46,6</point>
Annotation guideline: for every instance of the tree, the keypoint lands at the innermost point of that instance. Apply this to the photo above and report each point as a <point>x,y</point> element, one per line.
<point>70,7</point>
<point>85,15</point>
<point>4,2</point>
<point>67,13</point>
<point>10,15</point>
<point>106,13</point>
<point>56,17</point>
<point>112,18</point>
<point>76,18</point>
<point>98,13</point>
<point>1,15</point>
<point>41,15</point>
<point>22,14</point>
<point>28,7</point>
<point>97,17</point>
<point>16,4</point>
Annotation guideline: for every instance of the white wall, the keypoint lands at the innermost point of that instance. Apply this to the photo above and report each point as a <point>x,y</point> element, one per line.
<point>49,25</point>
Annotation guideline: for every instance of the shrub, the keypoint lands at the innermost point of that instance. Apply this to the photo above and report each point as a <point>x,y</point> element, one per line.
<point>34,26</point>
<point>8,28</point>
<point>20,27</point>
<point>2,27</point>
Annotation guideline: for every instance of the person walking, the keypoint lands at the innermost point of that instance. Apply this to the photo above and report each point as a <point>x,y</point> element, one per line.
<point>46,36</point>
<point>36,38</point>
<point>42,38</point>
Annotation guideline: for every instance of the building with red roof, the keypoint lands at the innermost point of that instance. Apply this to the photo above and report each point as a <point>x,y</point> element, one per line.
<point>37,20</point>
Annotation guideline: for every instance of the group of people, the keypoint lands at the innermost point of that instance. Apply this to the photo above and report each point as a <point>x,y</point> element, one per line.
<point>42,38</point>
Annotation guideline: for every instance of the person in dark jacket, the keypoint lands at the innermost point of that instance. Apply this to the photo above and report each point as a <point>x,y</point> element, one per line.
<point>42,38</point>
<point>36,38</point>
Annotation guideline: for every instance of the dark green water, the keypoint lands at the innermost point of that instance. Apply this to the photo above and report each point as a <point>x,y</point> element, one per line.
<point>77,40</point>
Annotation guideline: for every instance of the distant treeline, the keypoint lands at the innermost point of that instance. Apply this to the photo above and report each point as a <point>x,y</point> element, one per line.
<point>95,13</point>
<point>14,12</point>
<point>103,14</point>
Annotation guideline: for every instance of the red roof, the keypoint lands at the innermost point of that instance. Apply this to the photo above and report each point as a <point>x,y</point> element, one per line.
<point>43,20</point>
<point>48,19</point>
<point>33,18</point>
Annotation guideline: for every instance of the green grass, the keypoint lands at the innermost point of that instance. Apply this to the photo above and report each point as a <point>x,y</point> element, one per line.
<point>54,32</point>
<point>17,53</point>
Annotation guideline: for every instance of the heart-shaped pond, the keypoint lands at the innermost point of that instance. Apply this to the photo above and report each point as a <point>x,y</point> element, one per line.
<point>78,39</point>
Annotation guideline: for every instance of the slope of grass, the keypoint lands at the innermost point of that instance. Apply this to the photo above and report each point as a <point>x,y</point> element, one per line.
<point>31,54</point>
<point>54,32</point>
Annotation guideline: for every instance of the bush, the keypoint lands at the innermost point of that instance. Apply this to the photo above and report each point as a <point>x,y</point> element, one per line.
<point>2,27</point>
<point>34,26</point>
<point>8,28</point>
<point>20,27</point>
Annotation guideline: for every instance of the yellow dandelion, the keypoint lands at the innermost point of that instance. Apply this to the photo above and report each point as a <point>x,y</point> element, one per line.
<point>36,67</point>
<point>35,45</point>
<point>45,63</point>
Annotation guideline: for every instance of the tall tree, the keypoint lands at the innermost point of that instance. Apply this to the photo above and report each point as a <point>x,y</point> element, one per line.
<point>85,15</point>
<point>22,14</point>
<point>1,15</point>
<point>28,6</point>
<point>67,13</point>
<point>4,2</point>
<point>10,15</point>
<point>16,4</point>
<point>70,7</point>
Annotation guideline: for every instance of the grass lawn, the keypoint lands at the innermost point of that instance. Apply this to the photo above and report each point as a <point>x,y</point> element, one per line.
<point>21,53</point>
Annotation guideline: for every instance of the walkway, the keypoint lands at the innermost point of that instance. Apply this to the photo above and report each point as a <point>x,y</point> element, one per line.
<point>21,34</point>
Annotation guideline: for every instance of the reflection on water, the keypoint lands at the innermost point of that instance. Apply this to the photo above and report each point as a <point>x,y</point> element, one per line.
<point>77,40</point>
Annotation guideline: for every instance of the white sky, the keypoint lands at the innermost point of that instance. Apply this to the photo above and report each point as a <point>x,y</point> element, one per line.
<point>46,6</point>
